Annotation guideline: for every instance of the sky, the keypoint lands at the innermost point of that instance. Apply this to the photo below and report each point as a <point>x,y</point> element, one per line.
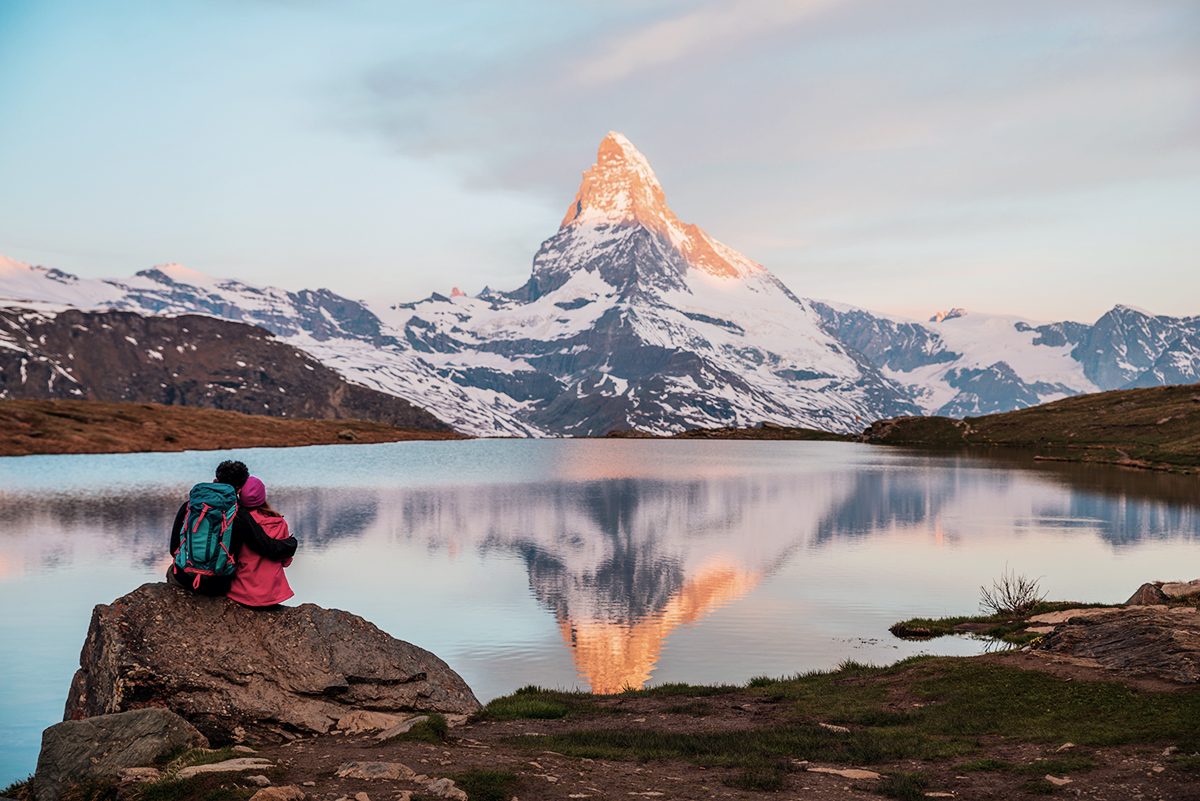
<point>1032,158</point>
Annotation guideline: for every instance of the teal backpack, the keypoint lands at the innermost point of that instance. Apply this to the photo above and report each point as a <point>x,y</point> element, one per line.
<point>206,538</point>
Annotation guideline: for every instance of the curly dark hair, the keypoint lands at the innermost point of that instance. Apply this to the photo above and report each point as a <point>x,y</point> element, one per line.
<point>234,473</point>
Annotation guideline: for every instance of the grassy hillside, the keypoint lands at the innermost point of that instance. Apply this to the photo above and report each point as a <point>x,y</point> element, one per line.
<point>62,426</point>
<point>1156,427</point>
<point>764,431</point>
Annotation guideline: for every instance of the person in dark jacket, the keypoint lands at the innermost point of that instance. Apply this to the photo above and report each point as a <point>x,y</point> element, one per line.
<point>247,533</point>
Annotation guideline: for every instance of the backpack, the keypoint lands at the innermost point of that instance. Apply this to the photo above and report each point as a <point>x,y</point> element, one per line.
<point>206,538</point>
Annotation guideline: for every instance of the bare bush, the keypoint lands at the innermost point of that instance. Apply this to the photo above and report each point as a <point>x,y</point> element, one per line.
<point>1011,594</point>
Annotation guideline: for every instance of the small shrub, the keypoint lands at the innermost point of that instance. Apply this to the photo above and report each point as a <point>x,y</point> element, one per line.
<point>1011,594</point>
<point>904,786</point>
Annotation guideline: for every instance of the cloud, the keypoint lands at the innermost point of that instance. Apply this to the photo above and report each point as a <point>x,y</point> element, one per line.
<point>696,32</point>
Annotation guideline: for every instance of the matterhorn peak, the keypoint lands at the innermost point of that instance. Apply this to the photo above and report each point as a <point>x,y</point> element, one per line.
<point>619,187</point>
<point>622,189</point>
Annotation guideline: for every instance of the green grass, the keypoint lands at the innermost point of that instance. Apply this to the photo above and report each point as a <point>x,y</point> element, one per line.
<point>434,730</point>
<point>961,702</point>
<point>767,777</point>
<point>1158,426</point>
<point>206,787</point>
<point>536,703</point>
<point>1187,763</point>
<point>1008,628</point>
<point>487,785</point>
<point>904,786</point>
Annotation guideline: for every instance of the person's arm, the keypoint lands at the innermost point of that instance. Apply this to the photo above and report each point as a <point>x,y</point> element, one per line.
<point>253,537</point>
<point>176,526</point>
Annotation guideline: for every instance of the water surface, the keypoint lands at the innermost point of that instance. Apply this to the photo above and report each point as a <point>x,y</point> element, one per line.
<point>597,564</point>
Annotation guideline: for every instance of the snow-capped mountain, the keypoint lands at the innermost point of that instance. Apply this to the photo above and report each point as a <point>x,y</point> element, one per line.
<point>634,319</point>
<point>962,363</point>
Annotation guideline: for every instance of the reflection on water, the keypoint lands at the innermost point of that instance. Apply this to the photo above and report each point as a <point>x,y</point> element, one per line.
<point>596,564</point>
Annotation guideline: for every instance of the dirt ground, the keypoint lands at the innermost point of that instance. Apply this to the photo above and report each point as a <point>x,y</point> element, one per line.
<point>1121,774</point>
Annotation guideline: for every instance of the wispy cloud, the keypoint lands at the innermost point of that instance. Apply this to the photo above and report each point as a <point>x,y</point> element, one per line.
<point>697,32</point>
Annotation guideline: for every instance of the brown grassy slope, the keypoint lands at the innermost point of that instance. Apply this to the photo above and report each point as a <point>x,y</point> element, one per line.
<point>64,426</point>
<point>1155,427</point>
<point>764,431</point>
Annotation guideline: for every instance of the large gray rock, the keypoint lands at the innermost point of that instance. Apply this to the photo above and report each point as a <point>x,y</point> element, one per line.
<point>101,747</point>
<point>1155,641</point>
<point>241,675</point>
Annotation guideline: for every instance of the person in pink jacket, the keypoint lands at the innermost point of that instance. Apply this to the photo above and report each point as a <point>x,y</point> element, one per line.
<point>260,582</point>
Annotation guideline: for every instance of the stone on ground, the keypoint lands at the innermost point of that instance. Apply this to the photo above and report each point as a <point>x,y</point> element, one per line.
<point>101,747</point>
<point>390,771</point>
<point>287,792</point>
<point>260,676</point>
<point>239,765</point>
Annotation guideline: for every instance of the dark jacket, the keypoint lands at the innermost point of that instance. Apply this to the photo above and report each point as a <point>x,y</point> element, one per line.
<point>246,533</point>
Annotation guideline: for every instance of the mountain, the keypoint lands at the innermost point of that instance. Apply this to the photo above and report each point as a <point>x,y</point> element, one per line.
<point>633,319</point>
<point>190,360</point>
<point>961,363</point>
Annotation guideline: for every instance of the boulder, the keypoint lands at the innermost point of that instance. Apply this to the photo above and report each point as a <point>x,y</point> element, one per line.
<point>1147,595</point>
<point>1155,641</point>
<point>1178,590</point>
<point>240,675</point>
<point>103,747</point>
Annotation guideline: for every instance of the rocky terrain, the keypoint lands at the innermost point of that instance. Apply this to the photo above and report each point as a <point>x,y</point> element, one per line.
<point>308,704</point>
<point>190,360</point>
<point>72,426</point>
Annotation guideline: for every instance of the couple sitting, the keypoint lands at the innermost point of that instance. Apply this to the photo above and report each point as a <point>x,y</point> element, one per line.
<point>227,540</point>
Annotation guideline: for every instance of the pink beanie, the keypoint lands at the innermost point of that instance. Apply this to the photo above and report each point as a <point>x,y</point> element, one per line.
<point>254,493</point>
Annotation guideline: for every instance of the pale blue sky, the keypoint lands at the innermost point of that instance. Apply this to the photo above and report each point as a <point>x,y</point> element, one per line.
<point>1039,158</point>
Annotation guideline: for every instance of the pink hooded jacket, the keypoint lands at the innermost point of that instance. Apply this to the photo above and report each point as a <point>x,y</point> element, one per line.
<point>258,580</point>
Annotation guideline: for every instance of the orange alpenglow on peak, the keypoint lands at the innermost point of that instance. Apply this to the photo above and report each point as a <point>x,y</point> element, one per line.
<point>621,188</point>
<point>457,293</point>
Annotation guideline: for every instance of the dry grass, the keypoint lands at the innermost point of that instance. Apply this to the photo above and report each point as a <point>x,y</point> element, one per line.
<point>62,426</point>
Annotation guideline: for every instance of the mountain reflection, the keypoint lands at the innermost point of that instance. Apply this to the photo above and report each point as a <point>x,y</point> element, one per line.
<point>622,562</point>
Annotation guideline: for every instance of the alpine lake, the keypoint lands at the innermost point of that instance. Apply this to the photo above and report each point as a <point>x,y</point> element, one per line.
<point>593,564</point>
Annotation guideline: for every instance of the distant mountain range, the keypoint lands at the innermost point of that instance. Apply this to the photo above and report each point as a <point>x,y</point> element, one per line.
<point>632,319</point>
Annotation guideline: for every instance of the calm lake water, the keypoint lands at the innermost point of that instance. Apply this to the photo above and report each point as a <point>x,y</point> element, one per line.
<point>594,564</point>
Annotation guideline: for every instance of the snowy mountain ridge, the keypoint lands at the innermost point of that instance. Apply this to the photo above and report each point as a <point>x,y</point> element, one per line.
<point>632,318</point>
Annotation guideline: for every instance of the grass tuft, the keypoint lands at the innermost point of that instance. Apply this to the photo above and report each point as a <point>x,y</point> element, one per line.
<point>18,790</point>
<point>487,785</point>
<point>904,786</point>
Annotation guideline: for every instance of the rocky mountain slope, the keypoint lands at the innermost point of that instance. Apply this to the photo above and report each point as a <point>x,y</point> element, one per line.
<point>960,363</point>
<point>190,360</point>
<point>632,319</point>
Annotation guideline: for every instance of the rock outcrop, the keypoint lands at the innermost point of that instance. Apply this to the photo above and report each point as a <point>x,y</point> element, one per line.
<point>102,747</point>
<point>1156,641</point>
<point>240,675</point>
